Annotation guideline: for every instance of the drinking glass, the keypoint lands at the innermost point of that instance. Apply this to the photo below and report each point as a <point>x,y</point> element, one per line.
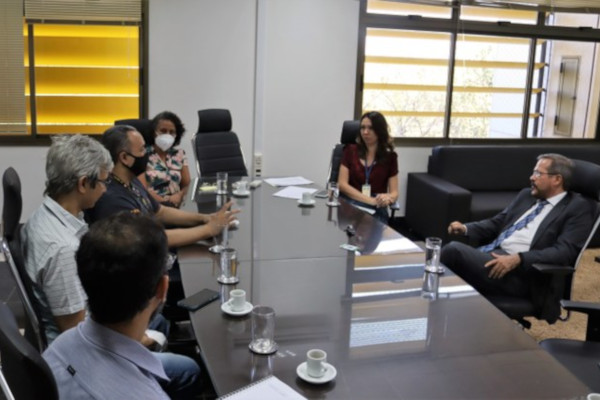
<point>333,193</point>
<point>229,270</point>
<point>221,182</point>
<point>433,248</point>
<point>263,330</point>
<point>221,240</point>
<point>431,284</point>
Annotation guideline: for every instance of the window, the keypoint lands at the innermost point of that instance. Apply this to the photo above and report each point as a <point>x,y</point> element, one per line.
<point>451,71</point>
<point>78,69</point>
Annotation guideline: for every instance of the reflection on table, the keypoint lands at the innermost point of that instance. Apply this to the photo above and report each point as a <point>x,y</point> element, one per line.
<point>390,330</point>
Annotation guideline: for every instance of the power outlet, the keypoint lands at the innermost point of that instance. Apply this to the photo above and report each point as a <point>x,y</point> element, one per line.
<point>258,163</point>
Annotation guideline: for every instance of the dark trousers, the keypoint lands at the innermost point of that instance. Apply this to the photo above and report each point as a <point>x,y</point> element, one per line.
<point>468,263</point>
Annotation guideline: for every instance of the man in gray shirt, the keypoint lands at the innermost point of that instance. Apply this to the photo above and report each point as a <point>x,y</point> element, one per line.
<point>122,265</point>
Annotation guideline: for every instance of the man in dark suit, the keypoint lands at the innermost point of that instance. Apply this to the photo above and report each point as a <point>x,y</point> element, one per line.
<point>543,224</point>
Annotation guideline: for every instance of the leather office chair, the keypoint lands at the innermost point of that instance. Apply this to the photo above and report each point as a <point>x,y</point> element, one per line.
<point>559,278</point>
<point>26,372</point>
<point>216,147</point>
<point>143,126</point>
<point>11,247</point>
<point>350,130</point>
<point>581,357</point>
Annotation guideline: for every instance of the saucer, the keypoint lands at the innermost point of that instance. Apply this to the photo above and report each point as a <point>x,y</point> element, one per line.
<point>330,374</point>
<point>241,194</point>
<point>307,204</point>
<point>226,308</point>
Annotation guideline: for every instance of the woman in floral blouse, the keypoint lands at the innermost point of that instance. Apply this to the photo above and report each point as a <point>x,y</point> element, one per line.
<point>167,175</point>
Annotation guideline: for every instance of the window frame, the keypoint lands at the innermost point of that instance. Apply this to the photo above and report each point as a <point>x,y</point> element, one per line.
<point>454,26</point>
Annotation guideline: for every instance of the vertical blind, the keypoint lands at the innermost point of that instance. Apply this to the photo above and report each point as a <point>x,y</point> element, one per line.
<point>12,72</point>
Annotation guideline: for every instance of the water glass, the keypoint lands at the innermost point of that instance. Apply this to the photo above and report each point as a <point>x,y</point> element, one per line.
<point>263,330</point>
<point>433,249</point>
<point>431,285</point>
<point>229,267</point>
<point>333,193</point>
<point>243,185</point>
<point>221,182</point>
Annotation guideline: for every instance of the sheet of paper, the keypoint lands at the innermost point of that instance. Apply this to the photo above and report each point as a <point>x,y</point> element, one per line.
<point>293,180</point>
<point>293,192</point>
<point>267,388</point>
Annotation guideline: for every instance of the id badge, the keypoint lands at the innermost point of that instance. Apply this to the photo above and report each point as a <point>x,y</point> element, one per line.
<point>366,190</point>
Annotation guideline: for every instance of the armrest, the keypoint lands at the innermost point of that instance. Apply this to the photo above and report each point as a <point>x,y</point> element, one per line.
<point>559,270</point>
<point>432,203</point>
<point>593,312</point>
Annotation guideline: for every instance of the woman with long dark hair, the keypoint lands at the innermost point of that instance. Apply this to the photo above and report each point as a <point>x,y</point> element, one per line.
<point>369,171</point>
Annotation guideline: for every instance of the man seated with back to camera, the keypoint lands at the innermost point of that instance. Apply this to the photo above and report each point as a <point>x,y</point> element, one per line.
<point>543,224</point>
<point>126,193</point>
<point>77,173</point>
<point>122,264</point>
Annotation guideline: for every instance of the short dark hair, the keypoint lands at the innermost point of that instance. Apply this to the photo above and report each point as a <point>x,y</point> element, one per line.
<point>116,140</point>
<point>169,116</point>
<point>560,165</point>
<point>120,262</point>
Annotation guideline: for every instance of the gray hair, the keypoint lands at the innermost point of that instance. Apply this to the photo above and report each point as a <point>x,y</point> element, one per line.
<point>560,165</point>
<point>71,157</point>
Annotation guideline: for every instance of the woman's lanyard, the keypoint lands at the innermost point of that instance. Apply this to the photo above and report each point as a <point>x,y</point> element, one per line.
<point>368,169</point>
<point>141,200</point>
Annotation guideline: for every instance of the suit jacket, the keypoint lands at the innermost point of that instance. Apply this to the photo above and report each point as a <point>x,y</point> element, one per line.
<point>560,236</point>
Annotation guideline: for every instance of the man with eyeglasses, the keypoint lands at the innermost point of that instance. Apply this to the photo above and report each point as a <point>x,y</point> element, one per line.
<point>77,172</point>
<point>544,224</point>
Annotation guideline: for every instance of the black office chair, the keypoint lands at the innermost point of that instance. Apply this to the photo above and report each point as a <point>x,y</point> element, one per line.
<point>558,278</point>
<point>26,372</point>
<point>216,147</point>
<point>350,130</point>
<point>143,126</point>
<point>11,247</point>
<point>580,357</point>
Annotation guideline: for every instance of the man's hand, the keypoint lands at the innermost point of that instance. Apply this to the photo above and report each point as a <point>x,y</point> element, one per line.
<point>222,218</point>
<point>502,264</point>
<point>457,228</point>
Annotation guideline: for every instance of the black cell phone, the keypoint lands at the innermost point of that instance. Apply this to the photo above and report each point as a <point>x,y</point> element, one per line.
<point>198,300</point>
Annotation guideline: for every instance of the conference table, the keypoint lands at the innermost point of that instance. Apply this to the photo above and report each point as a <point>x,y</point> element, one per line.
<point>391,330</point>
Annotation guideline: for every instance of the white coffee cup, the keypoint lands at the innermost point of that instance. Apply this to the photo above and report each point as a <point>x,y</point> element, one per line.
<point>306,197</point>
<point>315,363</point>
<point>593,396</point>
<point>237,299</point>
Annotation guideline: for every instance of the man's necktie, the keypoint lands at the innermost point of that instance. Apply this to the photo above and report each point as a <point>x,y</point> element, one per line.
<point>514,227</point>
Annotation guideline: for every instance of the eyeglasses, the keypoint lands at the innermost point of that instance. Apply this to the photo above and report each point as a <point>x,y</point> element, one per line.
<point>537,173</point>
<point>105,182</point>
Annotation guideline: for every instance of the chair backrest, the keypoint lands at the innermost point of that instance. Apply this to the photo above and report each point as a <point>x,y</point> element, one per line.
<point>12,249</point>
<point>26,372</point>
<point>350,130</point>
<point>143,126</point>
<point>586,181</point>
<point>216,147</point>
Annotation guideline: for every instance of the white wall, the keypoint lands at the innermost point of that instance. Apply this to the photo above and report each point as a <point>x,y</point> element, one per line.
<point>288,80</point>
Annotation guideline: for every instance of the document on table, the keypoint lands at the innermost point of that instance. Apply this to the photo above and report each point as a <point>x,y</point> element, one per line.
<point>267,388</point>
<point>293,192</point>
<point>293,180</point>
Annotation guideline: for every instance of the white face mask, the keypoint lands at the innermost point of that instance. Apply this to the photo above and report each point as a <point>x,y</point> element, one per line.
<point>164,141</point>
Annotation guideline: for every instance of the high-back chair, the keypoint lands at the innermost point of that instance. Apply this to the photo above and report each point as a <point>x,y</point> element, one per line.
<point>216,147</point>
<point>12,249</point>
<point>26,372</point>
<point>545,304</point>
<point>143,126</point>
